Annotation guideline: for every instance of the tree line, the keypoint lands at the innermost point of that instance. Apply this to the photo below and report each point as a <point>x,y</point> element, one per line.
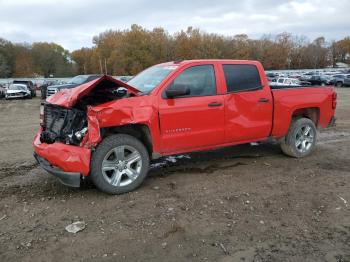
<point>127,52</point>
<point>33,60</point>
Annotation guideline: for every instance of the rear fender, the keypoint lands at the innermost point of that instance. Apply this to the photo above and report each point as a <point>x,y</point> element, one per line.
<point>311,113</point>
<point>283,127</point>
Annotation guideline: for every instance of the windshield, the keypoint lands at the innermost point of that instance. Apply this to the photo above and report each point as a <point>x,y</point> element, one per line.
<point>148,79</point>
<point>77,80</point>
<point>17,87</point>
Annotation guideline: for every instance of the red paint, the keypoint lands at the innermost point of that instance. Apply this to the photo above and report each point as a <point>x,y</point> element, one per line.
<point>287,101</point>
<point>66,157</point>
<point>187,124</point>
<point>68,97</point>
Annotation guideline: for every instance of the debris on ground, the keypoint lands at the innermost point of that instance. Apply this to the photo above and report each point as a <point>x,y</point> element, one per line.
<point>344,201</point>
<point>76,227</point>
<point>223,248</point>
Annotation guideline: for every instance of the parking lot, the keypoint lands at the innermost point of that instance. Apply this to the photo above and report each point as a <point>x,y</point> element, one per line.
<point>243,203</point>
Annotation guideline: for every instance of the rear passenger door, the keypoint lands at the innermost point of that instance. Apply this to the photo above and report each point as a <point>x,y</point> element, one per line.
<point>248,103</point>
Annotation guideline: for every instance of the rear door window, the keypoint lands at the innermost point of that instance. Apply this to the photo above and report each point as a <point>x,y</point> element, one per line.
<point>240,78</point>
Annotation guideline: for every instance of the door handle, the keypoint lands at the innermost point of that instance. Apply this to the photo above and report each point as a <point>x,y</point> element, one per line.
<point>213,104</point>
<point>263,100</point>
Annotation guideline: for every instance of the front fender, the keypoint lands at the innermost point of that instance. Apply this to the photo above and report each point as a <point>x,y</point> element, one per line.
<point>120,113</point>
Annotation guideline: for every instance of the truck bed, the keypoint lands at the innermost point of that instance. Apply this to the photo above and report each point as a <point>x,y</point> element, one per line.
<point>290,87</point>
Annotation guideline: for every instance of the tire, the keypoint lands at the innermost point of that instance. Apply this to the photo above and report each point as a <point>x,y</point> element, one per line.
<point>338,84</point>
<point>120,175</point>
<point>301,138</point>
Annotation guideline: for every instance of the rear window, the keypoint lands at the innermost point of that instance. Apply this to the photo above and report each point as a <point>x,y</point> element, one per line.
<point>241,78</point>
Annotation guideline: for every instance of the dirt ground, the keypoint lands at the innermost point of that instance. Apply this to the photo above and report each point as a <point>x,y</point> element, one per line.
<point>244,203</point>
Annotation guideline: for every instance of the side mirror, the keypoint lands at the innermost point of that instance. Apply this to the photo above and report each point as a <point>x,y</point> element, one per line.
<point>176,90</point>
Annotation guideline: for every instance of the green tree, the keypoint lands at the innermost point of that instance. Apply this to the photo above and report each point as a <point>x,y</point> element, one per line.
<point>4,67</point>
<point>51,59</point>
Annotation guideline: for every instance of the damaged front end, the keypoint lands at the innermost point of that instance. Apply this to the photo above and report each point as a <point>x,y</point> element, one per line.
<point>62,146</point>
<point>65,125</point>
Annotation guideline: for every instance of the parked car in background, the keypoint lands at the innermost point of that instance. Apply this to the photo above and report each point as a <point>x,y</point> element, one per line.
<point>285,81</point>
<point>271,77</point>
<point>306,76</point>
<point>45,84</point>
<point>294,75</point>
<point>74,82</point>
<point>347,80</point>
<point>29,84</point>
<point>339,79</point>
<point>18,91</point>
<point>319,80</point>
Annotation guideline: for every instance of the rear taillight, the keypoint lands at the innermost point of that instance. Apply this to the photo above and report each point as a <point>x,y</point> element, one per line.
<point>42,115</point>
<point>334,100</point>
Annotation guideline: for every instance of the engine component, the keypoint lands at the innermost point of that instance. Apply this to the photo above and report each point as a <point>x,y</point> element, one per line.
<point>61,124</point>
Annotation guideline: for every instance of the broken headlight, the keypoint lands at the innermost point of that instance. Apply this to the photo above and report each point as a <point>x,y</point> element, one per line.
<point>75,138</point>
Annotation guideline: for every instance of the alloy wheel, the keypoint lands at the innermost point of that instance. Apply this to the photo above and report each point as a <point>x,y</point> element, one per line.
<point>304,138</point>
<point>121,166</point>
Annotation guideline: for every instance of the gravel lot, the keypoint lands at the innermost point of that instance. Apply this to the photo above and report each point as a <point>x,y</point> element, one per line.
<point>244,203</point>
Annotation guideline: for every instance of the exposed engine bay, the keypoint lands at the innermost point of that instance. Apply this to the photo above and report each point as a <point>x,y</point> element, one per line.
<point>104,92</point>
<point>69,125</point>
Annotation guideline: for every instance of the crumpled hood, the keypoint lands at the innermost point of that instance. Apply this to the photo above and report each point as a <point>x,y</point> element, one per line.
<point>68,97</point>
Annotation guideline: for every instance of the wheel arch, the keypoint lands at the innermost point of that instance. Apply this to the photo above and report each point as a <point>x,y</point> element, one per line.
<point>140,131</point>
<point>312,113</point>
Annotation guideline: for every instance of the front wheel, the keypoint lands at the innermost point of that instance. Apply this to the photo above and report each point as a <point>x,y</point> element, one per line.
<point>119,164</point>
<point>301,138</point>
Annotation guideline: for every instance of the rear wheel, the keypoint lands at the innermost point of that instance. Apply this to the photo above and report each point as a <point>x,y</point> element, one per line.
<point>339,84</point>
<point>301,138</point>
<point>119,164</point>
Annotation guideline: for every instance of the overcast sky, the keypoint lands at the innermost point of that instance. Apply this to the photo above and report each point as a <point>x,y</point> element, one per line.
<point>73,23</point>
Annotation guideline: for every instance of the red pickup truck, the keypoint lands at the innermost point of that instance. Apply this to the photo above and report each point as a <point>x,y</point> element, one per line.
<point>109,130</point>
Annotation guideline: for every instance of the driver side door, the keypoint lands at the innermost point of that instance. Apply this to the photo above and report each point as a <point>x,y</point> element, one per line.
<point>195,120</point>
